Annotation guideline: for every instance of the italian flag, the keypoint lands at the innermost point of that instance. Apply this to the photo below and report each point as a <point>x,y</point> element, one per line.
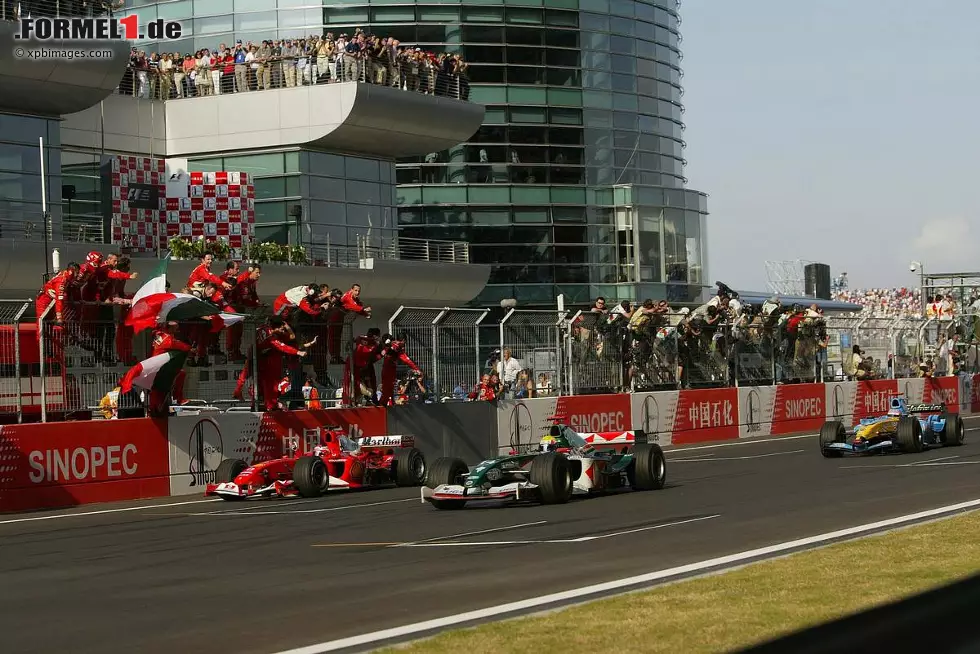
<point>158,308</point>
<point>155,283</point>
<point>155,374</point>
<point>222,320</point>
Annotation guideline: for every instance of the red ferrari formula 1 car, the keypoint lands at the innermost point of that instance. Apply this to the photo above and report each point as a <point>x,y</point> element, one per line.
<point>337,462</point>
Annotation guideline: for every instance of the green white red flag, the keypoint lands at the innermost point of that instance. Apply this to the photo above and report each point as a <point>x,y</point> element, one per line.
<point>160,308</point>
<point>156,373</point>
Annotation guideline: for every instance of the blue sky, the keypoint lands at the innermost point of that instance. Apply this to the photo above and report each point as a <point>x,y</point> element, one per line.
<point>836,131</point>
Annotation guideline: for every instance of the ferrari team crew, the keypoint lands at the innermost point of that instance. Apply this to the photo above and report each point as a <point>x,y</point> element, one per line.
<point>74,299</point>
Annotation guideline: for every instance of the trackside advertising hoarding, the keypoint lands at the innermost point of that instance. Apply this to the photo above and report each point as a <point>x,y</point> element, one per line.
<point>66,464</point>
<point>70,463</point>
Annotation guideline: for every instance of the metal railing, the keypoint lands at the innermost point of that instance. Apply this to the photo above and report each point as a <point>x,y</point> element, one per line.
<point>13,10</point>
<point>173,81</point>
<point>397,249</point>
<point>74,365</point>
<point>390,247</point>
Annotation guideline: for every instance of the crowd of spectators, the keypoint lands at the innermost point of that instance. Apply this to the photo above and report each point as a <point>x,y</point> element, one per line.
<point>289,63</point>
<point>721,342</point>
<point>884,302</point>
<point>907,302</point>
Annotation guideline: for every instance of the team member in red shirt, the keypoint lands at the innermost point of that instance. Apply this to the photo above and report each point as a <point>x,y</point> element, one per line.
<point>202,274</point>
<point>391,356</point>
<point>350,302</point>
<point>97,293</point>
<point>359,375</point>
<point>244,296</point>
<point>272,349</point>
<point>165,340</point>
<point>305,298</point>
<point>54,291</point>
<point>115,292</point>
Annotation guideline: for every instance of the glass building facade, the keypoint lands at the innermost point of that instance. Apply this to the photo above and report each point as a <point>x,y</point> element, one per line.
<point>575,182</point>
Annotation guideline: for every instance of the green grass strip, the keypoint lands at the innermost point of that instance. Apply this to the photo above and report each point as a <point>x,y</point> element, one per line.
<point>743,607</point>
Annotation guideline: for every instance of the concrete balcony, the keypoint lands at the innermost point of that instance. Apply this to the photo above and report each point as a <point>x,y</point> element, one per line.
<point>53,87</point>
<point>367,119</point>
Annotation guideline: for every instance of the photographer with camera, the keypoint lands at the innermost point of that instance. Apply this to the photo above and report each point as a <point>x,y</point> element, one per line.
<point>393,353</point>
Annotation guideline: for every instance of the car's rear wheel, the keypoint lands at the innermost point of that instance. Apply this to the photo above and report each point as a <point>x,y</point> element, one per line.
<point>649,467</point>
<point>408,467</point>
<point>310,476</point>
<point>552,474</point>
<point>446,470</point>
<point>909,435</point>
<point>832,432</point>
<point>228,470</point>
<point>954,432</point>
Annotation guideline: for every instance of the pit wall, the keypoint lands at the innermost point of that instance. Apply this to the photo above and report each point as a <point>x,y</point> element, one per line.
<point>66,464</point>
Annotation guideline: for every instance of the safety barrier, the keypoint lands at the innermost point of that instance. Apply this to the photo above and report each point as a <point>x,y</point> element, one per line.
<point>65,464</point>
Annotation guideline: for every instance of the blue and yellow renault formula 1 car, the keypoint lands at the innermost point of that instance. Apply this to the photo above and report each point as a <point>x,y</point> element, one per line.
<point>907,428</point>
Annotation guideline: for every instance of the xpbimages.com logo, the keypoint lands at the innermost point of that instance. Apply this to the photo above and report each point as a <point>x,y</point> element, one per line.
<point>96,29</point>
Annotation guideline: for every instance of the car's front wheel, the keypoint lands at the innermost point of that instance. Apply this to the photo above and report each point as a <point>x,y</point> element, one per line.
<point>909,435</point>
<point>310,476</point>
<point>954,432</point>
<point>552,474</point>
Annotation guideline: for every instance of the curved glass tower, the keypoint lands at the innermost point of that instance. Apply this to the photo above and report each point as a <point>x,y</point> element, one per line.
<point>575,182</point>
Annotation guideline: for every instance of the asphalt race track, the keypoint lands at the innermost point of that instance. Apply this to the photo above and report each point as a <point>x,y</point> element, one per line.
<point>265,576</point>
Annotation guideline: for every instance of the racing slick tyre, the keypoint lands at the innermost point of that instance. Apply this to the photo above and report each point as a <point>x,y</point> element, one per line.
<point>649,467</point>
<point>552,474</point>
<point>954,433</point>
<point>310,476</point>
<point>408,467</point>
<point>832,432</point>
<point>446,470</point>
<point>228,470</point>
<point>909,435</point>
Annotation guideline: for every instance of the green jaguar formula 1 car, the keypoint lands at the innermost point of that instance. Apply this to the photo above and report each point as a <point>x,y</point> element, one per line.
<point>566,463</point>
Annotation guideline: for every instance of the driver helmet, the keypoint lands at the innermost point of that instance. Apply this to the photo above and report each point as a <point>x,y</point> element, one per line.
<point>548,444</point>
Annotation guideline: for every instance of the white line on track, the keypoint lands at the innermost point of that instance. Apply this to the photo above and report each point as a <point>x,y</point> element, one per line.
<point>924,464</point>
<point>582,539</point>
<point>769,439</point>
<point>61,516</point>
<point>721,562</point>
<point>472,533</point>
<point>733,458</point>
<point>345,507</point>
<point>942,458</point>
<point>743,441</point>
<point>695,457</point>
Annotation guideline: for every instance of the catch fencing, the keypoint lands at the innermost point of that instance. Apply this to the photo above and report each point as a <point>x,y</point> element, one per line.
<point>536,340</point>
<point>75,365</point>
<point>445,343</point>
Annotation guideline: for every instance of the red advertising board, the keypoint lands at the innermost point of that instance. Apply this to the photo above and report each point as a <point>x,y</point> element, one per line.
<point>61,464</point>
<point>798,408</point>
<point>943,390</point>
<point>873,398</point>
<point>975,394</point>
<point>367,421</point>
<point>704,415</point>
<point>595,413</point>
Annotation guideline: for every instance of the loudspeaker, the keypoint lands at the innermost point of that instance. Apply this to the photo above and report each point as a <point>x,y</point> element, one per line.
<point>816,278</point>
